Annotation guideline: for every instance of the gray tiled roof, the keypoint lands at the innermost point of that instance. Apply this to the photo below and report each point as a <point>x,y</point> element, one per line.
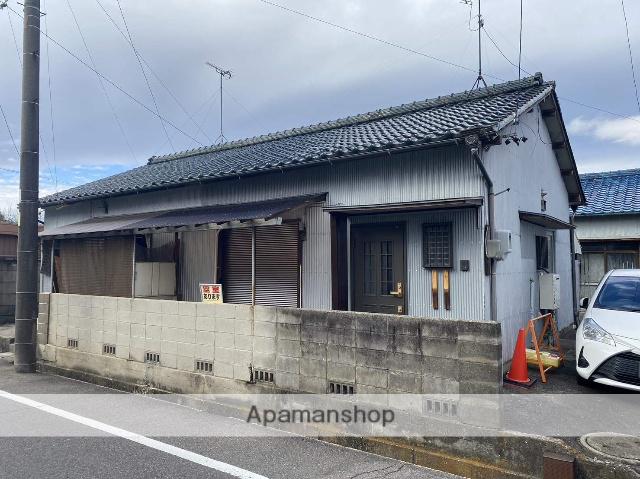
<point>417,123</point>
<point>611,193</point>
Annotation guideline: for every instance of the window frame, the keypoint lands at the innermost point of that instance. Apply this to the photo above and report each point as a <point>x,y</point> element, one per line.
<point>551,252</point>
<point>427,230</point>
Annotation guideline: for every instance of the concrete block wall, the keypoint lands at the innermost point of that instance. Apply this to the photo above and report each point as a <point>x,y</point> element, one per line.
<point>306,350</point>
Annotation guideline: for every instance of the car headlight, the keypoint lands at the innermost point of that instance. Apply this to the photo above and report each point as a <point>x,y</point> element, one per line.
<point>591,330</point>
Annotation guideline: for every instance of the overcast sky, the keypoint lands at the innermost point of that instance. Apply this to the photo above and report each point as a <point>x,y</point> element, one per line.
<point>290,71</point>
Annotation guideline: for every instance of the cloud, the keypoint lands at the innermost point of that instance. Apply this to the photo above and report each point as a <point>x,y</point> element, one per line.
<point>290,71</point>
<point>619,130</point>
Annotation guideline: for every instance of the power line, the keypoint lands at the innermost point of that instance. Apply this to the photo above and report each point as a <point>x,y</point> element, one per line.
<point>431,57</point>
<point>495,44</point>
<point>209,101</point>
<point>9,130</point>
<point>564,98</point>
<point>53,133</point>
<point>17,48</point>
<point>157,77</point>
<point>633,69</point>
<point>101,82</point>
<point>15,40</point>
<point>144,74</point>
<point>371,37</point>
<point>111,82</point>
<point>8,170</point>
<point>253,117</point>
<point>576,102</point>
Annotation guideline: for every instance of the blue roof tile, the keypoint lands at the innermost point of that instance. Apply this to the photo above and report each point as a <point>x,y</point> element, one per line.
<point>611,193</point>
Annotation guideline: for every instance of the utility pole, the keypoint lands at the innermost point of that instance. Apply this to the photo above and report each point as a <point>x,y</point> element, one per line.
<point>27,274</point>
<point>223,74</point>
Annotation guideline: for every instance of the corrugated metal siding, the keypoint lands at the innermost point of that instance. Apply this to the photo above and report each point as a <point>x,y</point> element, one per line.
<point>467,288</point>
<point>316,260</point>
<point>162,247</point>
<point>198,261</point>
<point>608,227</point>
<point>413,176</point>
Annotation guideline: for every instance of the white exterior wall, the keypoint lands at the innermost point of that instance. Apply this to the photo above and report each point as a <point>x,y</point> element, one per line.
<point>527,169</point>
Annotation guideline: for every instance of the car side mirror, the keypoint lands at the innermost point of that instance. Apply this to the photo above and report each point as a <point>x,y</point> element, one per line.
<point>584,303</point>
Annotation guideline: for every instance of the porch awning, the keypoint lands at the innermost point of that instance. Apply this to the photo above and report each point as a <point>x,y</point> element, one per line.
<point>546,221</point>
<point>218,216</point>
<point>449,203</point>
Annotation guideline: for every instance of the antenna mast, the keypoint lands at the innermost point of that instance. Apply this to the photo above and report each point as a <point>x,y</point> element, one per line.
<point>480,25</point>
<point>223,74</point>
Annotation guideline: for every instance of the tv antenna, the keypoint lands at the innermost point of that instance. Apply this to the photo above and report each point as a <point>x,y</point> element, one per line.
<point>223,74</point>
<point>480,79</point>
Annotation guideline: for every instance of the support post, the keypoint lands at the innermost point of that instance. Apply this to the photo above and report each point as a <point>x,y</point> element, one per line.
<point>27,275</point>
<point>572,245</point>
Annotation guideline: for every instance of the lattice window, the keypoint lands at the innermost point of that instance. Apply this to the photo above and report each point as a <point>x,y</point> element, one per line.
<point>437,242</point>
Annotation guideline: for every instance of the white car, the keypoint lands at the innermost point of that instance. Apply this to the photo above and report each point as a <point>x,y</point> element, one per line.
<point>608,338</point>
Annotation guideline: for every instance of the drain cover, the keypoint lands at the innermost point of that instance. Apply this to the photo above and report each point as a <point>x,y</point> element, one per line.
<point>619,446</point>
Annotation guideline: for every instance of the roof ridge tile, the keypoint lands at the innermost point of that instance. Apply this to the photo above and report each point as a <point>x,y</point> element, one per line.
<point>378,114</point>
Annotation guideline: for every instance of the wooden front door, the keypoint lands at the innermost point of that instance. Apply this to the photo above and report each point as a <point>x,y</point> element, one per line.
<point>379,273</point>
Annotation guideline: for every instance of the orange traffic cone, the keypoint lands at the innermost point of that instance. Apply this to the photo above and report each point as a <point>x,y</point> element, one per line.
<point>519,374</point>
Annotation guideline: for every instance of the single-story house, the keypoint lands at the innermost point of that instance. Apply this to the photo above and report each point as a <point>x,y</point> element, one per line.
<point>8,263</point>
<point>451,208</point>
<point>608,226</point>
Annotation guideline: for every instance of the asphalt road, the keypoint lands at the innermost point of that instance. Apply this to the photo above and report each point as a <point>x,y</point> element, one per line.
<point>44,436</point>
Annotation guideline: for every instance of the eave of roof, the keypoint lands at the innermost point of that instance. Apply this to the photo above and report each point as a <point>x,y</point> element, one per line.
<point>554,120</point>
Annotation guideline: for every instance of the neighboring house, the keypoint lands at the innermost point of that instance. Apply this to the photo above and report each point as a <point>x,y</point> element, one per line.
<point>609,225</point>
<point>8,252</point>
<point>389,211</point>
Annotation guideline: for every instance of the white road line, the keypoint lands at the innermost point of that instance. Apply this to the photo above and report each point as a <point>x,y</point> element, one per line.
<point>137,438</point>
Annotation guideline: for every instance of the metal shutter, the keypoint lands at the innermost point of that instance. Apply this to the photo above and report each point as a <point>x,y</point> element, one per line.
<point>277,265</point>
<point>236,273</point>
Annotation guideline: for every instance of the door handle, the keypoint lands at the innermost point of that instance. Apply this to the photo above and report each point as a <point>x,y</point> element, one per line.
<point>398,292</point>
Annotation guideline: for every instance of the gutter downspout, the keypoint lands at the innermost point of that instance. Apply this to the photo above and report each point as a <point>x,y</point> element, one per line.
<point>476,152</point>
<point>574,293</point>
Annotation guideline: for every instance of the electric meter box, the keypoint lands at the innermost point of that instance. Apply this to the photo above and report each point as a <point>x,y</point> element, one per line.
<point>504,236</point>
<point>500,245</point>
<point>549,291</point>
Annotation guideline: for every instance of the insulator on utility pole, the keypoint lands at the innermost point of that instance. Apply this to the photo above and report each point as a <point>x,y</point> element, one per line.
<point>27,274</point>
